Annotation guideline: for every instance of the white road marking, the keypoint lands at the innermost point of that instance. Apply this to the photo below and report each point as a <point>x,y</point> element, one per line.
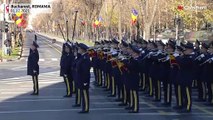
<point>54,59</point>
<point>41,60</point>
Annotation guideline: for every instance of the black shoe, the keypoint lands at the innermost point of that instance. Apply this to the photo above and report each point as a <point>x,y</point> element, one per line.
<point>166,104</point>
<point>200,100</point>
<point>76,106</point>
<point>184,111</point>
<point>122,104</point>
<point>177,107</point>
<point>82,112</point>
<point>106,90</point>
<point>148,95</point>
<point>156,100</point>
<point>133,111</point>
<point>118,100</point>
<point>34,94</point>
<point>209,104</point>
<point>67,96</point>
<point>128,108</point>
<point>111,96</point>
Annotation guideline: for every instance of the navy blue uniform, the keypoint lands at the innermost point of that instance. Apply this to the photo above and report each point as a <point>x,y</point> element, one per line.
<point>66,64</point>
<point>83,75</point>
<point>133,83</point>
<point>76,81</point>
<point>208,76</point>
<point>33,68</point>
<point>186,76</point>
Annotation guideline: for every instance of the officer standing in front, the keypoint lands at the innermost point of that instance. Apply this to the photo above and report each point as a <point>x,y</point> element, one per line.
<point>83,75</point>
<point>66,63</point>
<point>33,67</point>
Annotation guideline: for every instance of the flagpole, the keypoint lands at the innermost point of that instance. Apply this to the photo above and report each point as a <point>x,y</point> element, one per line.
<point>73,34</point>
<point>61,32</point>
<point>67,30</point>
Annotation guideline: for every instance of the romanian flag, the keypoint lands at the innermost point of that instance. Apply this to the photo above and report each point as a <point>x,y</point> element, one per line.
<point>134,16</point>
<point>20,20</point>
<point>97,22</point>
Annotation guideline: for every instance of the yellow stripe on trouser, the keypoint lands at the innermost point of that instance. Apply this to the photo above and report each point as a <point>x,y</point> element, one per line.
<point>150,86</point>
<point>86,100</point>
<point>140,80</point>
<point>97,75</point>
<point>113,86</point>
<point>144,81</point>
<point>124,94</point>
<point>188,97</point>
<point>131,98</point>
<point>204,90</point>
<point>79,96</point>
<point>35,83</point>
<point>108,83</point>
<point>99,82</point>
<point>121,96</point>
<point>168,93</point>
<point>159,90</point>
<point>68,86</point>
<point>73,86</point>
<point>136,101</point>
<point>212,92</point>
<point>179,96</point>
<point>193,83</point>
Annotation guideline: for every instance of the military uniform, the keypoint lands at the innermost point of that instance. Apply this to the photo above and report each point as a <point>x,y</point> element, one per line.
<point>200,75</point>
<point>83,75</point>
<point>33,67</point>
<point>208,76</point>
<point>65,71</point>
<point>186,76</point>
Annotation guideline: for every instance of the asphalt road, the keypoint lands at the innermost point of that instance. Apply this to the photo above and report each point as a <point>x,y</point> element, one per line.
<point>16,103</point>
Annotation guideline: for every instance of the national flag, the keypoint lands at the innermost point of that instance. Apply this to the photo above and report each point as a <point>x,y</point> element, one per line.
<point>134,16</point>
<point>180,7</point>
<point>97,22</point>
<point>18,21</point>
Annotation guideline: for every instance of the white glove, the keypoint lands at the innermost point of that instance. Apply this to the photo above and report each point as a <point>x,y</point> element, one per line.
<point>202,55</point>
<point>34,71</point>
<point>85,84</point>
<point>176,54</point>
<point>143,52</point>
<point>167,58</point>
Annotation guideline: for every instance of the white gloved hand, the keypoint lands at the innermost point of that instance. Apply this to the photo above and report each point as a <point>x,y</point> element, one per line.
<point>176,54</point>
<point>85,84</point>
<point>202,55</point>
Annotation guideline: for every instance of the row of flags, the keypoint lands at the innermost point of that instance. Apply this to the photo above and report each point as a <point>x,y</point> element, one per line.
<point>98,22</point>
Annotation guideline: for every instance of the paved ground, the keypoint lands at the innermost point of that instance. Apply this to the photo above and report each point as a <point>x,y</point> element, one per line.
<point>17,104</point>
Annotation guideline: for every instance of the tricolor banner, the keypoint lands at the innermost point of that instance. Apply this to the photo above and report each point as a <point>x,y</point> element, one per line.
<point>134,16</point>
<point>97,22</point>
<point>20,20</point>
